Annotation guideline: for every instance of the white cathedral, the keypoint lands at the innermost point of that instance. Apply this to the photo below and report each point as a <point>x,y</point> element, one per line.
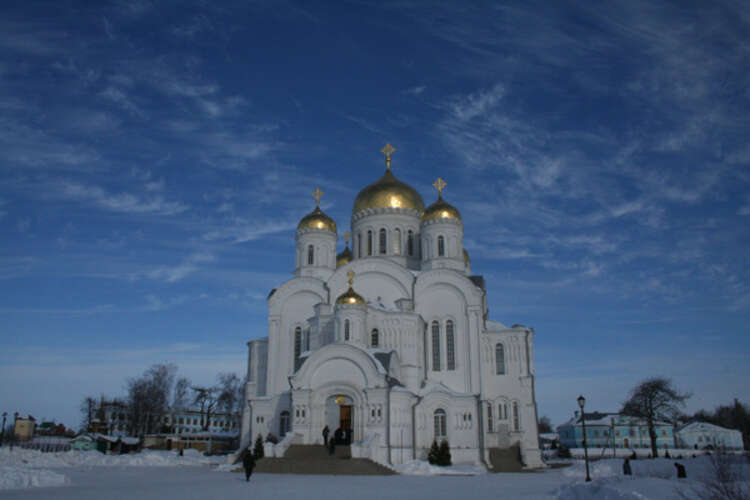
<point>389,343</point>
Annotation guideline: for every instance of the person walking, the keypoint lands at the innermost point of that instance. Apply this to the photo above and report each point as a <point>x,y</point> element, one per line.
<point>248,463</point>
<point>326,431</point>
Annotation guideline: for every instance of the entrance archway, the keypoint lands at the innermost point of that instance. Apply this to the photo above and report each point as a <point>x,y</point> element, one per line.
<point>340,418</point>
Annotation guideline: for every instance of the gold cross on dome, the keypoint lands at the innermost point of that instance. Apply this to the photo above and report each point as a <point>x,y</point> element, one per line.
<point>317,194</point>
<point>350,275</point>
<point>439,185</point>
<point>388,150</point>
<point>347,235</point>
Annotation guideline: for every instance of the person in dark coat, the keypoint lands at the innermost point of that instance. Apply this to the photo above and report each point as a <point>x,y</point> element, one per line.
<point>626,467</point>
<point>331,446</point>
<point>248,463</point>
<point>680,471</point>
<point>326,431</point>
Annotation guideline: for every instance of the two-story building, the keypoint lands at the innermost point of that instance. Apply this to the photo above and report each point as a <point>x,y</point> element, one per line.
<point>607,430</point>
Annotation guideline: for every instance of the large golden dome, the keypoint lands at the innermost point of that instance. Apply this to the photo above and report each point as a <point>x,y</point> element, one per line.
<point>441,210</point>
<point>317,219</point>
<point>388,191</point>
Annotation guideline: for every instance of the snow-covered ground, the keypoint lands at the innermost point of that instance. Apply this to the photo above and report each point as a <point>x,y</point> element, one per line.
<point>165,475</point>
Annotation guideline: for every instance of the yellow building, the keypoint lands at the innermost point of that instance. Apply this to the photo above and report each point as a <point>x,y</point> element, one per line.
<point>24,429</point>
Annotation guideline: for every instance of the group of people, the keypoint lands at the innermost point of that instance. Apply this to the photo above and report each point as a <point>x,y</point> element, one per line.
<point>340,436</point>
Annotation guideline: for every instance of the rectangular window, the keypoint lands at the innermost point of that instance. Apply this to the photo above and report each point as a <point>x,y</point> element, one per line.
<point>435,346</point>
<point>516,418</point>
<point>490,423</point>
<point>450,347</point>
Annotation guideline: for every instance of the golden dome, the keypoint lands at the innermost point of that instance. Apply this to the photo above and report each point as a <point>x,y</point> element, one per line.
<point>466,257</point>
<point>441,210</point>
<point>388,191</point>
<point>317,220</point>
<point>350,297</point>
<point>344,257</point>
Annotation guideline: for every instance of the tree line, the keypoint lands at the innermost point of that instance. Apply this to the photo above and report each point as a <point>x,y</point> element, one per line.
<point>150,396</point>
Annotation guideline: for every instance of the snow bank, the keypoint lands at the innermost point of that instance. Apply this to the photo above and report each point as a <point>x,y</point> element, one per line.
<point>12,477</point>
<point>652,479</point>
<point>422,468</point>
<point>20,457</point>
<point>623,489</point>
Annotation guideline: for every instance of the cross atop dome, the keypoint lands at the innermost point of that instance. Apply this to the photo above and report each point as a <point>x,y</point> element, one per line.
<point>347,235</point>
<point>388,150</point>
<point>440,185</point>
<point>350,274</point>
<point>317,194</point>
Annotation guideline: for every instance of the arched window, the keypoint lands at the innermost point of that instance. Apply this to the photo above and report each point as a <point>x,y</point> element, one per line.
<point>435,346</point>
<point>283,423</point>
<point>359,245</point>
<point>450,345</point>
<point>441,246</point>
<point>369,242</point>
<point>499,359</point>
<point>297,342</point>
<point>310,255</point>
<point>490,420</point>
<point>516,419</point>
<point>382,246</point>
<point>346,329</point>
<point>396,241</point>
<point>410,243</point>
<point>440,427</point>
<point>374,337</point>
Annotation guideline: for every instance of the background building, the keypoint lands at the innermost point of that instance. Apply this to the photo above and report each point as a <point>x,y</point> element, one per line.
<point>603,430</point>
<point>700,435</point>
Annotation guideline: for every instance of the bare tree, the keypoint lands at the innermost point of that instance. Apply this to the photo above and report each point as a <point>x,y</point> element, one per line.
<point>88,412</point>
<point>206,398</point>
<point>148,398</point>
<point>545,425</point>
<point>181,388</point>
<point>723,480</point>
<point>654,399</point>
<point>231,395</point>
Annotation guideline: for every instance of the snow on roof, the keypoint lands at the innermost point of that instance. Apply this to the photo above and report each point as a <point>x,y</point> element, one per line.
<point>605,418</point>
<point>495,326</point>
<point>696,426</point>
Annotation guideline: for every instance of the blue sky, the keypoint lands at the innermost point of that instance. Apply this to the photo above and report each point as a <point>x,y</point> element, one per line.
<point>155,158</point>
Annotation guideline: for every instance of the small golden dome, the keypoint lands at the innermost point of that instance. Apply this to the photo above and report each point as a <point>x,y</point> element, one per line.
<point>344,257</point>
<point>350,297</point>
<point>317,220</point>
<point>388,192</point>
<point>441,210</point>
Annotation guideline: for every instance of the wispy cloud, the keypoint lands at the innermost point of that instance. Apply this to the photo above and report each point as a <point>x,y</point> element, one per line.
<point>170,274</point>
<point>119,202</point>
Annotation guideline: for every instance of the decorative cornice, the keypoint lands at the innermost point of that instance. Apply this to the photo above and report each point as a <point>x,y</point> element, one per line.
<point>454,222</point>
<point>385,211</point>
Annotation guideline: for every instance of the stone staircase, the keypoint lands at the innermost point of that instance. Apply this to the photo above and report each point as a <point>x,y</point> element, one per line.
<point>506,459</point>
<point>314,459</point>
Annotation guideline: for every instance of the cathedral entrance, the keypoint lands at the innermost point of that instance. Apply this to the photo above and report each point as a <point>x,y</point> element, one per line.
<point>340,418</point>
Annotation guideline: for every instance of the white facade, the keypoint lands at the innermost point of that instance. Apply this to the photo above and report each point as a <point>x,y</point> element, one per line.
<point>701,435</point>
<point>410,359</point>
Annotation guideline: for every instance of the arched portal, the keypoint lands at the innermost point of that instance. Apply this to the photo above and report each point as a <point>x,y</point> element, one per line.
<point>339,417</point>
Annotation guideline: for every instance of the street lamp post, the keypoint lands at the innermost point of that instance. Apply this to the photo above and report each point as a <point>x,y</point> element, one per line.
<point>581,403</point>
<point>2,434</point>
